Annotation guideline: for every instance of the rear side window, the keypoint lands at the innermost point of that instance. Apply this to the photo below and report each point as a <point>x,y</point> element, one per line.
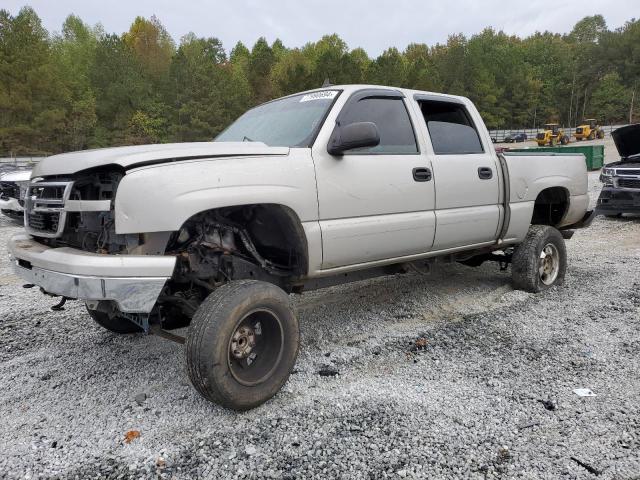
<point>450,127</point>
<point>392,119</point>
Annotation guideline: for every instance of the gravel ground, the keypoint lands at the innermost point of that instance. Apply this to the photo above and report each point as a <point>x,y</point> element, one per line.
<point>488,393</point>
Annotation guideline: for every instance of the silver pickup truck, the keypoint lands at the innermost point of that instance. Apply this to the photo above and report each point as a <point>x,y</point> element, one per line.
<point>310,190</point>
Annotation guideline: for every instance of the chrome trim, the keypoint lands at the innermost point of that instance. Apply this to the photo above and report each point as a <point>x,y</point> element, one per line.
<point>31,203</point>
<point>617,172</point>
<point>131,294</point>
<point>87,205</point>
<point>78,262</point>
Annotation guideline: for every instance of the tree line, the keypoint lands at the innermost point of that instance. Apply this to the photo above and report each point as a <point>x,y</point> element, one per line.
<point>85,88</point>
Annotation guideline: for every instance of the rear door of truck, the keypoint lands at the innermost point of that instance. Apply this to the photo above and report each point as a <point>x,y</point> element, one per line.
<point>465,170</point>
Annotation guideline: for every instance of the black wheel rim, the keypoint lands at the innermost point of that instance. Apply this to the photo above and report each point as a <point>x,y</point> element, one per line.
<point>255,347</point>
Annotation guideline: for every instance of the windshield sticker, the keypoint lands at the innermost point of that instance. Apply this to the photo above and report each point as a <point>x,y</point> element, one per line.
<point>324,95</point>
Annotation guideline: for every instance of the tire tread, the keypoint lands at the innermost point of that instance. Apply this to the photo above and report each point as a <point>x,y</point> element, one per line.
<point>224,298</point>
<point>524,264</point>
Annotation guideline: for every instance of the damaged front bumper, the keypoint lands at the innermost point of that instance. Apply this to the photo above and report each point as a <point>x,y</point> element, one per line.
<point>613,201</point>
<point>133,282</point>
<point>12,204</point>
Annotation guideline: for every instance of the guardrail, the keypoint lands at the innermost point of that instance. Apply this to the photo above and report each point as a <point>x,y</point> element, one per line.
<point>8,164</point>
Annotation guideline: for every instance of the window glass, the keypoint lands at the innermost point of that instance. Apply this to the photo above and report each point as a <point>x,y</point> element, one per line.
<point>450,128</point>
<point>392,119</point>
<point>288,122</point>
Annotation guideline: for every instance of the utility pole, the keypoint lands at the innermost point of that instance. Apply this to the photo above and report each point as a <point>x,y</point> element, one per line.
<point>535,109</point>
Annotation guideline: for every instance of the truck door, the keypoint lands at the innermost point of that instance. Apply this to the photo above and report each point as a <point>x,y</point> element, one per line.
<point>465,171</point>
<point>374,203</point>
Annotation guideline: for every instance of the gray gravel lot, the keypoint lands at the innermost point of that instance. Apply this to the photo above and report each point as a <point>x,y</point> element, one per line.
<point>489,395</point>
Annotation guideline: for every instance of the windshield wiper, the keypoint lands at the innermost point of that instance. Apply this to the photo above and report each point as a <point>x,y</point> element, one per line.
<point>247,139</point>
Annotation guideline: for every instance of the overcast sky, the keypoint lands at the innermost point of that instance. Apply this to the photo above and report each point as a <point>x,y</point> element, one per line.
<point>371,24</point>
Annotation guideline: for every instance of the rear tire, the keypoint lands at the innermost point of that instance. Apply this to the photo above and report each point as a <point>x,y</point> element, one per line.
<point>242,344</point>
<point>114,324</point>
<point>540,261</point>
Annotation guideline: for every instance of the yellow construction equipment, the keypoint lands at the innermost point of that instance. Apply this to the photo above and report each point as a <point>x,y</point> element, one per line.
<point>552,135</point>
<point>589,130</point>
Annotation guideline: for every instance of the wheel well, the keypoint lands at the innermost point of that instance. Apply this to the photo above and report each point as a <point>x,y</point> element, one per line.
<point>550,206</point>
<point>274,230</point>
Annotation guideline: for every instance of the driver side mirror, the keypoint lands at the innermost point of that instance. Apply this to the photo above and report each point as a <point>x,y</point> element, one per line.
<point>353,135</point>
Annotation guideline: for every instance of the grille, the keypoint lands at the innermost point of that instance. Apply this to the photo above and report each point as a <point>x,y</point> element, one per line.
<point>44,208</point>
<point>622,171</point>
<point>9,190</point>
<point>629,182</point>
<point>44,221</point>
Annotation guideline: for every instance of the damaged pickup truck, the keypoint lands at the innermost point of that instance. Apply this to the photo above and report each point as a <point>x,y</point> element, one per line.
<point>310,190</point>
<point>621,180</point>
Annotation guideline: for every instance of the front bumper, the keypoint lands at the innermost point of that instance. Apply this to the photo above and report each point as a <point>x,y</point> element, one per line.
<point>618,200</point>
<point>133,282</point>
<point>10,204</point>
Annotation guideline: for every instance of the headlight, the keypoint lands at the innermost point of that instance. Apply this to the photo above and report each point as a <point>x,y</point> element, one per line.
<point>607,172</point>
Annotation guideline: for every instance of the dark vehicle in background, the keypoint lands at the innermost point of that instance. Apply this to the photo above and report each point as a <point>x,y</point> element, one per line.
<point>621,191</point>
<point>515,138</point>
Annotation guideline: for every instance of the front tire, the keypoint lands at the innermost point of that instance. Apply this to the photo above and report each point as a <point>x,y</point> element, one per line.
<point>540,261</point>
<point>242,344</point>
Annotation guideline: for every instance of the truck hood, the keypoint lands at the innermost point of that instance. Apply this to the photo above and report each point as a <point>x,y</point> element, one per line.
<point>128,157</point>
<point>627,140</point>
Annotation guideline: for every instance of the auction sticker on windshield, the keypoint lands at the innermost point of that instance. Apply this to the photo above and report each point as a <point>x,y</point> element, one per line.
<point>324,95</point>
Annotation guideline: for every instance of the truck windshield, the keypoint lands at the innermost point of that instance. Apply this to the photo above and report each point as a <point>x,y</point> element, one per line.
<point>288,122</point>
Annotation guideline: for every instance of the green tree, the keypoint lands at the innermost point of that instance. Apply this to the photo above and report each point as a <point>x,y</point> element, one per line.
<point>208,92</point>
<point>390,68</point>
<point>119,89</point>
<point>292,72</point>
<point>31,91</point>
<point>73,56</point>
<point>260,63</point>
<point>152,46</point>
<point>611,99</point>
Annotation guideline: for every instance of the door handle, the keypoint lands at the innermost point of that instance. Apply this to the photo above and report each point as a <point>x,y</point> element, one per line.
<point>485,173</point>
<point>421,174</point>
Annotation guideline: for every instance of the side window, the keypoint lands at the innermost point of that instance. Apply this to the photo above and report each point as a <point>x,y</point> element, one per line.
<point>450,127</point>
<point>392,119</point>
